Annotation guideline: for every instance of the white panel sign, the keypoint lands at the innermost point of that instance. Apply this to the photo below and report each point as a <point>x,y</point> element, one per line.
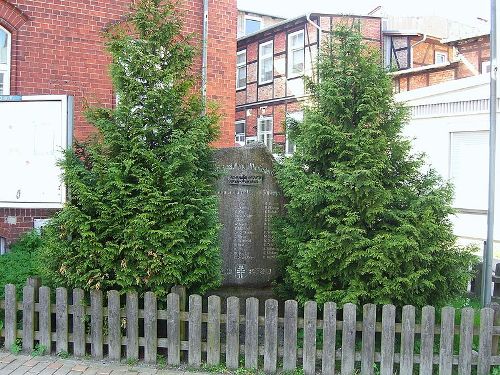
<point>34,132</point>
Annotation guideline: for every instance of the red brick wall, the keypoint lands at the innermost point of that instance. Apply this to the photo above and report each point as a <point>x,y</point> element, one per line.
<point>15,221</point>
<point>424,52</point>
<point>57,48</point>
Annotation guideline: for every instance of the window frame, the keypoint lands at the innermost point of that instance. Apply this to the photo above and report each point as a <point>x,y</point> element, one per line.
<point>263,133</point>
<point>252,18</point>
<point>440,53</point>
<point>290,52</point>
<point>240,66</point>
<point>6,68</point>
<point>240,143</point>
<point>485,65</point>
<point>297,116</point>
<point>262,58</point>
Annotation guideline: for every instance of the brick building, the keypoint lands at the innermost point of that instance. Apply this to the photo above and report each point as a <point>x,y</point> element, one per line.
<point>458,58</point>
<point>56,47</point>
<point>270,68</point>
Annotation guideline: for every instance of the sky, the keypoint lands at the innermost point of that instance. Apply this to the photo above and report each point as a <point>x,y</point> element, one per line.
<point>465,11</point>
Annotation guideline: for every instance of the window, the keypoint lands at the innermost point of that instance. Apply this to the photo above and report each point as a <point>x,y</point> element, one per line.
<point>292,119</point>
<point>239,131</point>
<point>3,246</point>
<point>485,67</point>
<point>250,140</point>
<point>296,53</point>
<point>265,132</point>
<point>397,52</point>
<point>5,42</point>
<point>252,24</point>
<point>440,57</point>
<point>241,70</point>
<point>266,62</point>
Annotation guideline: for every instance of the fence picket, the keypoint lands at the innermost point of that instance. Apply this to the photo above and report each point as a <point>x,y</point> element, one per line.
<point>290,336</point>
<point>96,324</point>
<point>368,339</point>
<point>446,341</point>
<point>213,331</point>
<point>78,323</point>
<point>251,333</point>
<point>10,316</point>
<point>309,350</point>
<point>466,336</point>
<point>191,348</point>
<point>407,340</point>
<point>194,353</point>
<point>173,329</point>
<point>233,333</point>
<point>388,337</point>
<point>329,335</point>
<point>271,336</point>
<point>132,326</point>
<point>61,320</point>
<point>427,340</point>
<point>348,339</point>
<point>485,335</point>
<point>150,327</point>
<point>114,329</point>
<point>28,318</point>
<point>44,319</point>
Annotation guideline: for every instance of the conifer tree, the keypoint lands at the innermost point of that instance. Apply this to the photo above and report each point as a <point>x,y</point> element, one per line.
<point>365,221</point>
<point>142,210</point>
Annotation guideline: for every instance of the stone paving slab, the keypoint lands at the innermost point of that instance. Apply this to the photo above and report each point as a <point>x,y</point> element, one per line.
<point>26,365</point>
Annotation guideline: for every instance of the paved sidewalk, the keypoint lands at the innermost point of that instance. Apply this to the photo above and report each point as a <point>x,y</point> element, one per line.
<point>23,364</point>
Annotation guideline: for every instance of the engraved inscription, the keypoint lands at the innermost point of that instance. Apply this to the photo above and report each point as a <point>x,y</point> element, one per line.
<point>244,179</point>
<point>248,200</point>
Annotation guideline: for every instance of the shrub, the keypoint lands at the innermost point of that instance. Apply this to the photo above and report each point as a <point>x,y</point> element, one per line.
<point>142,212</point>
<point>364,222</point>
<point>21,262</point>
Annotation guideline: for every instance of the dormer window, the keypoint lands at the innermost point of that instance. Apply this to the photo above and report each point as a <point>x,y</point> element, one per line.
<point>252,24</point>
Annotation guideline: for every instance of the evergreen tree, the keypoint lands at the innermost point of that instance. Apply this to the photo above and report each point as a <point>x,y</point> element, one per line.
<point>142,210</point>
<point>363,222</point>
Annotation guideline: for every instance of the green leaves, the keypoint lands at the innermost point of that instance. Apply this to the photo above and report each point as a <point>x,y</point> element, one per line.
<point>142,212</point>
<point>363,222</point>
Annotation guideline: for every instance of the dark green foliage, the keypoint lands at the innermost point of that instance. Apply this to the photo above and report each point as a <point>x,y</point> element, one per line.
<point>142,212</point>
<point>363,223</point>
<point>20,262</point>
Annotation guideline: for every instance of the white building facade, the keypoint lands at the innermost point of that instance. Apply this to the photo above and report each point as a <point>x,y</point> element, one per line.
<point>450,124</point>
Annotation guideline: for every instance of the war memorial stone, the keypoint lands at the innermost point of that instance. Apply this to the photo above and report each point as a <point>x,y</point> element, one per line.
<point>249,197</point>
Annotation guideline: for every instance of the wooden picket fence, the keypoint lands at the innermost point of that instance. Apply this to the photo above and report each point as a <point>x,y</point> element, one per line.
<point>110,329</point>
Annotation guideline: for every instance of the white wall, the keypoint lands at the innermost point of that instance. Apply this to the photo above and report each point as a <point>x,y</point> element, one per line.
<point>33,134</point>
<point>438,113</point>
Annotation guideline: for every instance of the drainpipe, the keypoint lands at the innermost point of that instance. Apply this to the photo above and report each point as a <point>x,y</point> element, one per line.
<point>204,56</point>
<point>424,37</point>
<point>308,17</point>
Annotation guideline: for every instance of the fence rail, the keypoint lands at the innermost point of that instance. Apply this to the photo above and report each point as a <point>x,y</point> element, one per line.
<point>324,339</point>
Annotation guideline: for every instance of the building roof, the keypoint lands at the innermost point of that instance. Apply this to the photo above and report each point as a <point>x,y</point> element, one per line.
<point>424,68</point>
<point>298,20</point>
<point>466,38</point>
<point>261,14</point>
